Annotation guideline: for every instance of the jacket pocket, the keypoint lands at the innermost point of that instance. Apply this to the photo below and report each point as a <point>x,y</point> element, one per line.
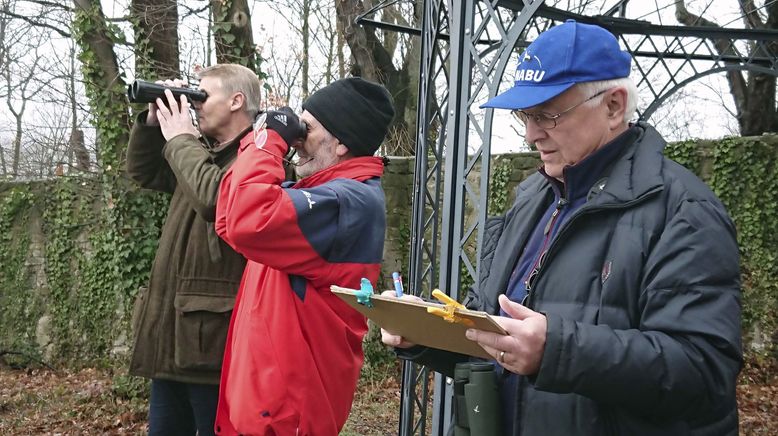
<point>138,309</point>
<point>201,330</point>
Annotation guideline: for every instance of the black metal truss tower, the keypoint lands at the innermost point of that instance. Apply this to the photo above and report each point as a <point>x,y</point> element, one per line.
<point>467,46</point>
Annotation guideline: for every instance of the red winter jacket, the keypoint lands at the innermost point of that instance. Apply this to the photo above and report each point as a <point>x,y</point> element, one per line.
<point>294,349</point>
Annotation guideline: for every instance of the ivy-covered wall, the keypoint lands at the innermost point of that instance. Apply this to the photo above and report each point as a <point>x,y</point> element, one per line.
<point>73,254</point>
<point>744,175</point>
<point>71,262</point>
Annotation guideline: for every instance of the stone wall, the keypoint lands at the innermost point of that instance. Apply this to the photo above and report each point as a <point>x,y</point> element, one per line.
<point>398,186</point>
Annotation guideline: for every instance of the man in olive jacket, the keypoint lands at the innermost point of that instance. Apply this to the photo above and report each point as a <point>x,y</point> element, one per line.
<point>180,321</point>
<point>615,274</point>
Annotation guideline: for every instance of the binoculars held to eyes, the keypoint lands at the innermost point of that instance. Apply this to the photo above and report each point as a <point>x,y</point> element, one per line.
<point>141,91</point>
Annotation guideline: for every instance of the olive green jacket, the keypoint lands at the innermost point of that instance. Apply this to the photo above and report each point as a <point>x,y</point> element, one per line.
<point>180,321</point>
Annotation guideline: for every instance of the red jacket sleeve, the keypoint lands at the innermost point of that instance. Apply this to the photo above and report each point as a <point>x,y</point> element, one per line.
<point>255,215</point>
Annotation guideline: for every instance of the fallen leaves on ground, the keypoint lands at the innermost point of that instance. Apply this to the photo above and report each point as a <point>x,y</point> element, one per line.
<point>757,393</point>
<point>46,402</point>
<point>84,402</point>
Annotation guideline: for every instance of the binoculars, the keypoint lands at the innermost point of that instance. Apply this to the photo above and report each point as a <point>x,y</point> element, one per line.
<point>476,400</point>
<point>141,91</point>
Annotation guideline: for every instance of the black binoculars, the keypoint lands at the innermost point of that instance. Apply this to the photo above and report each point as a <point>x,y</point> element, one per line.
<point>476,400</point>
<point>141,91</point>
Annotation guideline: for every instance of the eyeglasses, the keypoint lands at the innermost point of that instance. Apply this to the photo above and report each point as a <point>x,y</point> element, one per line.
<point>545,120</point>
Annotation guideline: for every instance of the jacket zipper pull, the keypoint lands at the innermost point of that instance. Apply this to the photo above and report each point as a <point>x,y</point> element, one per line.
<point>559,205</point>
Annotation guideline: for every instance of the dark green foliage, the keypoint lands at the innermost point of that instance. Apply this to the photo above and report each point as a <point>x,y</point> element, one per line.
<point>20,306</point>
<point>744,176</point>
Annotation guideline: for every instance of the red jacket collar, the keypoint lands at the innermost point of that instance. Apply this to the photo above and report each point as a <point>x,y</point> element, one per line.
<point>358,168</point>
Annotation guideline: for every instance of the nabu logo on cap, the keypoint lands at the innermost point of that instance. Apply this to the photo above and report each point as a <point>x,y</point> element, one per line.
<point>571,53</point>
<point>526,73</point>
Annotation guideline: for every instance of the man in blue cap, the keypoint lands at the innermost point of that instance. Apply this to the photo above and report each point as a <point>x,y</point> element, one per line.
<point>616,271</point>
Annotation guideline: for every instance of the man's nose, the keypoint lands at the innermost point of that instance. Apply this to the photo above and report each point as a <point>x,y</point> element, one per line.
<point>533,132</point>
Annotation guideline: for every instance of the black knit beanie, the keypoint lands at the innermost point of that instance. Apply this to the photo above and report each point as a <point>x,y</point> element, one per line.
<point>355,111</point>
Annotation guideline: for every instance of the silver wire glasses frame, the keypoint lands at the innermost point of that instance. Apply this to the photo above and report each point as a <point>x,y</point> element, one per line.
<point>548,121</point>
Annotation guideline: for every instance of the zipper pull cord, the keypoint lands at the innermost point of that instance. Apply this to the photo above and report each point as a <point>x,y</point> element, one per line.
<point>559,206</point>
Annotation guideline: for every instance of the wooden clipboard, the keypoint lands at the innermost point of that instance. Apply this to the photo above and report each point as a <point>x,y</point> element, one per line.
<point>410,320</point>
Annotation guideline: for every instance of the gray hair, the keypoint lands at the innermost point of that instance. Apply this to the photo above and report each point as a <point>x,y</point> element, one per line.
<point>592,88</point>
<point>237,78</point>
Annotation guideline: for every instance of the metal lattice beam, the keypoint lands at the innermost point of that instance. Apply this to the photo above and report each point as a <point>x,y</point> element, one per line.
<point>467,46</point>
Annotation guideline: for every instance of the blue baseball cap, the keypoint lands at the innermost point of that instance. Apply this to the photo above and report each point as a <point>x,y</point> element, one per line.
<point>559,58</point>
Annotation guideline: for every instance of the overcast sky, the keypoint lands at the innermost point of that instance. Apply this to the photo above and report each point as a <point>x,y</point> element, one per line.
<point>700,111</point>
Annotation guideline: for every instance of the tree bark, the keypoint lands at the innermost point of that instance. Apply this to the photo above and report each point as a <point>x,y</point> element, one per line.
<point>102,78</point>
<point>232,33</point>
<point>372,61</point>
<point>305,15</point>
<point>155,23</point>
<point>754,96</point>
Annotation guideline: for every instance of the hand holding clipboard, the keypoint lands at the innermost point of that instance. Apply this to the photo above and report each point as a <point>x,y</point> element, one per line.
<point>411,319</point>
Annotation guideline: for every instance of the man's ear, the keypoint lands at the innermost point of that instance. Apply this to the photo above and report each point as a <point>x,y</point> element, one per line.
<point>237,102</point>
<point>341,150</point>
<point>616,101</point>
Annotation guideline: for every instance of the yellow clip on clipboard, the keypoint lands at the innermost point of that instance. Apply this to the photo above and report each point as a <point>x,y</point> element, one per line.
<point>449,312</point>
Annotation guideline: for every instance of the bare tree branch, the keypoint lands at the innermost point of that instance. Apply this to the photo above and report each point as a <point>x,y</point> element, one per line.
<point>737,83</point>
<point>37,23</point>
<point>751,14</point>
<point>754,97</point>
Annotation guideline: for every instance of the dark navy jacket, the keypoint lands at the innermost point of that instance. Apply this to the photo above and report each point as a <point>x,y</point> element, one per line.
<point>641,290</point>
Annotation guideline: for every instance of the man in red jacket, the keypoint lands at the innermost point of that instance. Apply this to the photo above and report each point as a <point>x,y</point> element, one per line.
<point>294,350</point>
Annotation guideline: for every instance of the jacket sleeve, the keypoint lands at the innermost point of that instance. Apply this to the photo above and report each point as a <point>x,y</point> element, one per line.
<point>441,361</point>
<point>145,164</point>
<point>198,177</point>
<point>259,219</point>
<point>684,357</point>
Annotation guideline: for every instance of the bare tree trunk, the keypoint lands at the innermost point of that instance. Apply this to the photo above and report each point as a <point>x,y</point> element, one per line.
<point>373,61</point>
<point>17,145</point>
<point>366,50</point>
<point>20,85</point>
<point>754,97</point>
<point>332,48</point>
<point>305,32</point>
<point>232,33</point>
<point>76,145</point>
<point>2,162</point>
<point>105,87</point>
<point>156,38</point>
<point>3,61</point>
<point>341,44</point>
<point>331,55</point>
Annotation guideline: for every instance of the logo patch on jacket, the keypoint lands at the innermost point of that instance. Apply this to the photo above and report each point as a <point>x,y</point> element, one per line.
<point>260,131</point>
<point>606,271</point>
<point>309,198</point>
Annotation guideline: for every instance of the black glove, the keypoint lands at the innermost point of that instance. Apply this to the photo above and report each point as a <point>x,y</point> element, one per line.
<point>287,124</point>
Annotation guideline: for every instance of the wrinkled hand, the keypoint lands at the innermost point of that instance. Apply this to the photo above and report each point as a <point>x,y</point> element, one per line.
<point>174,118</point>
<point>390,338</point>
<point>523,345</point>
<point>288,125</point>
